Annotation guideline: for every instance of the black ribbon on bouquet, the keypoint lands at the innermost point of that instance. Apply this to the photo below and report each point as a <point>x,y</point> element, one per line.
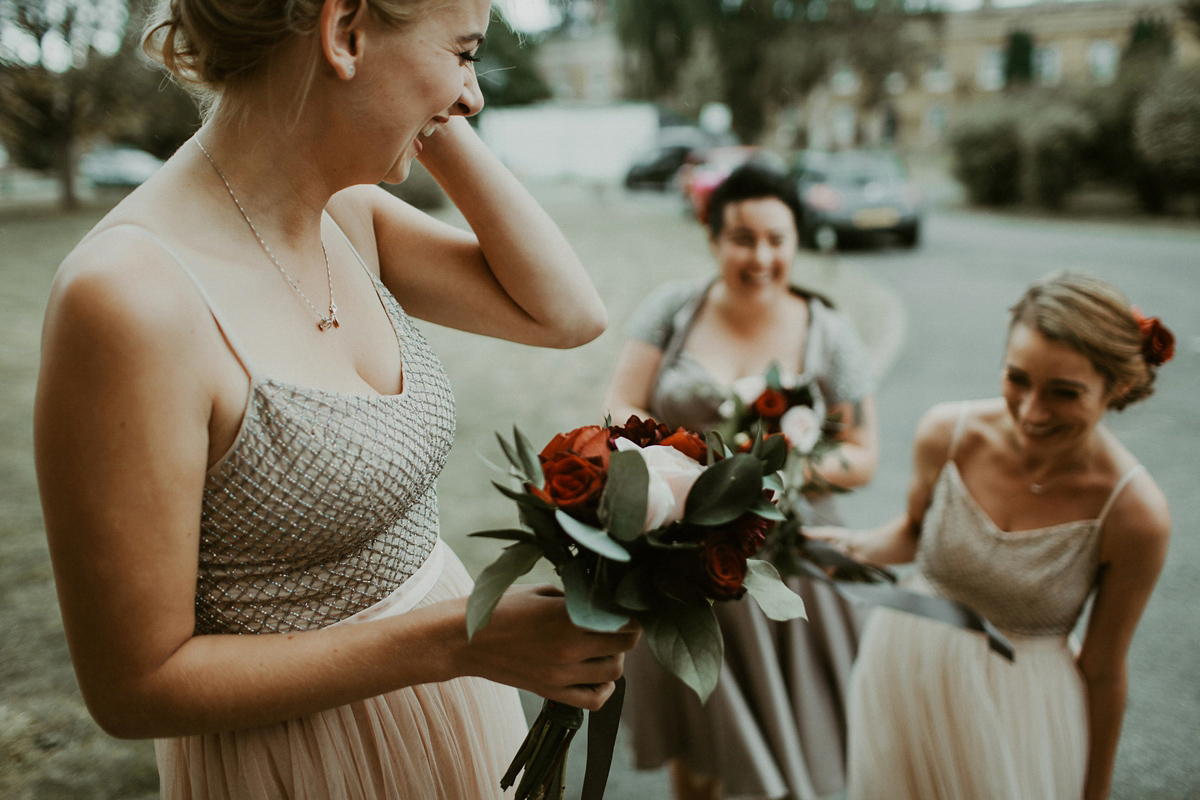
<point>602,740</point>
<point>877,586</point>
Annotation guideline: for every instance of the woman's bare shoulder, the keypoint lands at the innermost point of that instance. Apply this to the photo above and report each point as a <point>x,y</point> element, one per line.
<point>120,293</point>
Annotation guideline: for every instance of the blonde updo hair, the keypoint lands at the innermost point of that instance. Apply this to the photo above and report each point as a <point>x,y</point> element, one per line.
<point>208,45</point>
<point>1091,316</point>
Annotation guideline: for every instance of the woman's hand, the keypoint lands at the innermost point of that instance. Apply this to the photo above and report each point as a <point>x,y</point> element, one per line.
<point>532,644</point>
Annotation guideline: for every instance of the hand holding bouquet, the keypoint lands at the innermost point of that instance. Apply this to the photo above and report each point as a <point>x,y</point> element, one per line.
<point>644,523</point>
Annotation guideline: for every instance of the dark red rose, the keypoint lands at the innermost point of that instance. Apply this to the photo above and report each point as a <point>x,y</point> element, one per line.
<point>688,443</point>
<point>642,432</point>
<point>574,484</point>
<point>749,532</point>
<point>590,442</point>
<point>724,568</point>
<point>771,404</point>
<point>1158,343</point>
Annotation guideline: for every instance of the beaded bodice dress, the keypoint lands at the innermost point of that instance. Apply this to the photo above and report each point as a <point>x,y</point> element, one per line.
<point>326,501</point>
<point>1031,583</point>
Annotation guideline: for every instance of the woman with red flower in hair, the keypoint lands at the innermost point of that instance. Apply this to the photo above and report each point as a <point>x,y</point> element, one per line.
<point>1021,507</point>
<point>774,726</point>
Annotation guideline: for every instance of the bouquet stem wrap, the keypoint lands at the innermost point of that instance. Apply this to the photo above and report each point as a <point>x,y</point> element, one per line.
<point>542,758</point>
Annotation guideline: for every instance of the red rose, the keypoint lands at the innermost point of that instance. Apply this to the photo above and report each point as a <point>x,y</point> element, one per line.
<point>749,533</point>
<point>574,484</point>
<point>1158,343</point>
<point>688,443</point>
<point>771,404</point>
<point>724,568</point>
<point>590,442</point>
<point>642,432</point>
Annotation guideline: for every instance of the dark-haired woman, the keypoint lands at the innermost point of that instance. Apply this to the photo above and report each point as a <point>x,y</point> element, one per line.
<point>239,428</point>
<point>1021,507</point>
<point>774,727</point>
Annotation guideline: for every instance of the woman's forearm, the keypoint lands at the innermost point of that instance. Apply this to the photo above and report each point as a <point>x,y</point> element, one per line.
<point>526,252</point>
<point>1106,709</point>
<point>894,542</point>
<point>848,465</point>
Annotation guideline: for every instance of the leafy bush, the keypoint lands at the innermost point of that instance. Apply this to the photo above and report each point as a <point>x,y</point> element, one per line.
<point>1166,128</point>
<point>986,146</point>
<point>1056,137</point>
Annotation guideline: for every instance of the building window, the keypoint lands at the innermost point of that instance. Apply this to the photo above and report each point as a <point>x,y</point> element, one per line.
<point>1047,65</point>
<point>1103,55</point>
<point>989,74</point>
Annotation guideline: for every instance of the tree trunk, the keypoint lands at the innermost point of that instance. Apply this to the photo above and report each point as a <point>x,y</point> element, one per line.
<point>64,150</point>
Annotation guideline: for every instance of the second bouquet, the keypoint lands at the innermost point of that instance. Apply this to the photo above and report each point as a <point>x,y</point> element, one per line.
<point>640,522</point>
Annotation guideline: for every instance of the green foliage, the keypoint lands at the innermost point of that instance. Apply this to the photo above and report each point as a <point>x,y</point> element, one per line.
<point>514,561</point>
<point>686,640</point>
<point>773,596</point>
<point>1032,147</point>
<point>586,610</point>
<point>1018,59</point>
<point>768,53</point>
<point>508,75</point>
<point>725,491</point>
<point>986,147</point>
<point>1056,136</point>
<point>623,505</point>
<point>1166,126</point>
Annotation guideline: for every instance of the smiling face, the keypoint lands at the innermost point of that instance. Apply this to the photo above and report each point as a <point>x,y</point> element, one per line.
<point>1055,396</point>
<point>420,75</point>
<point>756,246</point>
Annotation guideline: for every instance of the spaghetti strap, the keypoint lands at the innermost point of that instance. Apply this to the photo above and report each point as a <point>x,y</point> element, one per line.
<point>225,330</point>
<point>959,426</point>
<point>1129,475</point>
<point>353,249</point>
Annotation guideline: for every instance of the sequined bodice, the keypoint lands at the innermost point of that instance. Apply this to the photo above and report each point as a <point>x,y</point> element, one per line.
<point>1032,583</point>
<point>326,501</point>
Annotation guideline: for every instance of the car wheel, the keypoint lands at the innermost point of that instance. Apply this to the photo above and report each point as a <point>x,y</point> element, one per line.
<point>910,236</point>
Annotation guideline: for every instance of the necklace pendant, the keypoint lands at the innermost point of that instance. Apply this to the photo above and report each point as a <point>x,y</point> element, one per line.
<point>326,324</point>
<point>333,315</point>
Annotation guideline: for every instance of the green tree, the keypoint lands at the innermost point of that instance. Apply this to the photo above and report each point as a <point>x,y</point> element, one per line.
<point>1018,59</point>
<point>1165,127</point>
<point>52,80</point>
<point>507,73</point>
<point>770,53</point>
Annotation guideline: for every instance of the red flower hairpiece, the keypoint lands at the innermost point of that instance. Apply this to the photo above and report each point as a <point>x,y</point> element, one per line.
<point>1158,343</point>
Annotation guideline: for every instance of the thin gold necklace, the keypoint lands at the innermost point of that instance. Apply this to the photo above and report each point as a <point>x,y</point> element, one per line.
<point>325,322</point>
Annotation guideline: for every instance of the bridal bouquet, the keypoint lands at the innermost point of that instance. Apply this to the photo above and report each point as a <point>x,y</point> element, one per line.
<point>640,522</point>
<point>791,410</point>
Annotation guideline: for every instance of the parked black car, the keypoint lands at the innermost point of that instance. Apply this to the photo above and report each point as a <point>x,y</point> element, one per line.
<point>853,194</point>
<point>657,167</point>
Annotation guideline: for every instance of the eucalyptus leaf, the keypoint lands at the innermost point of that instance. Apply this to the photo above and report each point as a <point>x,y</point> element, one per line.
<point>773,596</point>
<point>632,590</point>
<point>774,453</point>
<point>529,459</point>
<point>625,492</point>
<point>523,498</point>
<point>513,562</point>
<point>549,535</point>
<point>716,446</point>
<point>774,379</point>
<point>590,537</point>
<point>773,482</point>
<point>686,640</point>
<point>724,491</point>
<point>507,534</point>
<point>511,455</point>
<point>581,605</point>
<point>767,510</point>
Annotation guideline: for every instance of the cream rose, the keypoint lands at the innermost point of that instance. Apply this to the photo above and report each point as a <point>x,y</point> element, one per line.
<point>802,427</point>
<point>671,477</point>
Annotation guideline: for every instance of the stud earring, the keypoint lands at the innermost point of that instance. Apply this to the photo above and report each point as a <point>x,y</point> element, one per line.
<point>350,71</point>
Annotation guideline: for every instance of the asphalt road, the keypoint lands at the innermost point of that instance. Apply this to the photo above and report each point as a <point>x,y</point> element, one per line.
<point>935,320</point>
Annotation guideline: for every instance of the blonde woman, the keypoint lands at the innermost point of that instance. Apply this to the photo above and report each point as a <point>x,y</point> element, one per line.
<point>238,427</point>
<point>1020,507</point>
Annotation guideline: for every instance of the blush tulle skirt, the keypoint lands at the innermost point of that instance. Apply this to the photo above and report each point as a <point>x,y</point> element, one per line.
<point>935,715</point>
<point>440,741</point>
